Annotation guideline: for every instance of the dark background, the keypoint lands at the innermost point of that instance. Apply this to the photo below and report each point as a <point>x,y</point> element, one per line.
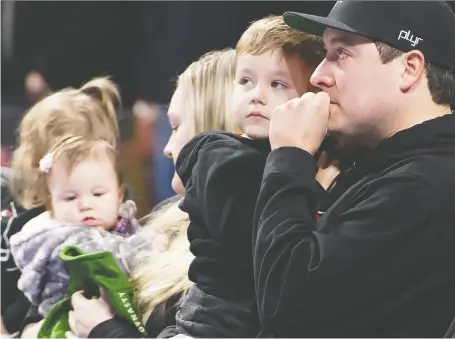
<point>142,45</point>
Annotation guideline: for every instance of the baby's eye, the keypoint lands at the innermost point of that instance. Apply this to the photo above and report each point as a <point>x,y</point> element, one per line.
<point>69,198</point>
<point>98,194</point>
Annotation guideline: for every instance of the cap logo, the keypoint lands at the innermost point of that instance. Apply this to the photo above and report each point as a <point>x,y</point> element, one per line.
<point>406,35</point>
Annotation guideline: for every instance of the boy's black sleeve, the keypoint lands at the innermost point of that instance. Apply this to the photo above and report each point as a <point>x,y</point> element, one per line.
<point>115,328</point>
<point>222,175</point>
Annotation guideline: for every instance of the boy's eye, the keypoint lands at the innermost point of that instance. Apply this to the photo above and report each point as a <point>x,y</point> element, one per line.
<point>244,81</point>
<point>69,198</point>
<point>279,85</point>
<point>175,128</point>
<point>98,194</point>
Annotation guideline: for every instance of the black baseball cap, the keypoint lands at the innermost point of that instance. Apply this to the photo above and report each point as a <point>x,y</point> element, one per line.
<point>428,26</point>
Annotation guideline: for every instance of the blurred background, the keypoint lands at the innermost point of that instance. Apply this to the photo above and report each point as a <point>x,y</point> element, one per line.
<point>143,46</point>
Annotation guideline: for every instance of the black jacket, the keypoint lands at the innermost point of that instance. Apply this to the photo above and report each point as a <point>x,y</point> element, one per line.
<point>162,316</point>
<point>380,262</point>
<point>14,305</point>
<point>222,175</point>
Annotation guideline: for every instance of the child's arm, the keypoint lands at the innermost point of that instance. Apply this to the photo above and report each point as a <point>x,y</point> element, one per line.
<point>124,249</point>
<point>222,174</point>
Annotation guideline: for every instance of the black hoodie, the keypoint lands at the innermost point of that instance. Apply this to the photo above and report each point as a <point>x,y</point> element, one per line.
<point>381,260</point>
<point>222,176</point>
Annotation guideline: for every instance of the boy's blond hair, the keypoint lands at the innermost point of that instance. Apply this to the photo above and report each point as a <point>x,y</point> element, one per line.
<point>272,33</point>
<point>207,85</point>
<point>88,111</point>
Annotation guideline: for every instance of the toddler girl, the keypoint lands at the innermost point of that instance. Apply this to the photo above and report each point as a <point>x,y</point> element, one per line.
<point>84,193</point>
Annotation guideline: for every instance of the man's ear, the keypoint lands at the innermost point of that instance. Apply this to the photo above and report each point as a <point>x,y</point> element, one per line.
<point>413,69</point>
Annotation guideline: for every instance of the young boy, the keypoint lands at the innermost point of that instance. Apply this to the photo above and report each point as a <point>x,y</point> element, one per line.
<point>274,65</point>
<point>222,174</point>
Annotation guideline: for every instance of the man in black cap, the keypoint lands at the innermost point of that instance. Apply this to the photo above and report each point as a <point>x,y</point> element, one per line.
<point>380,262</point>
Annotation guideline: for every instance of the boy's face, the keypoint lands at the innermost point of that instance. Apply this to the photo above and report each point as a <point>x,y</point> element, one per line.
<point>90,195</point>
<point>263,82</point>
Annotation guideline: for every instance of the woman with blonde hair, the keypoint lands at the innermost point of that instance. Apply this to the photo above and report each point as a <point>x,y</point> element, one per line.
<point>88,111</point>
<point>201,102</point>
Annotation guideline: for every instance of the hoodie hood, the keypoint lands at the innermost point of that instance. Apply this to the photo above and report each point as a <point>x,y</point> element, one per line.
<point>189,154</point>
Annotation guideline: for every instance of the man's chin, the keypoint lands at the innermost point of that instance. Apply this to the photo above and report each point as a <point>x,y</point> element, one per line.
<point>344,146</point>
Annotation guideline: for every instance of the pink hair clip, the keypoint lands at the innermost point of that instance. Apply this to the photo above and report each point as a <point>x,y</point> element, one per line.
<point>45,164</point>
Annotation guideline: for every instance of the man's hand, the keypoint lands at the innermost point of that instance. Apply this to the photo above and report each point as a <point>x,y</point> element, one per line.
<point>301,122</point>
<point>87,314</point>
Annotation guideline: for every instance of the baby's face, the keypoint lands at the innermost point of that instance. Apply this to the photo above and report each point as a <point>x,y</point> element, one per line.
<point>90,195</point>
<point>264,82</point>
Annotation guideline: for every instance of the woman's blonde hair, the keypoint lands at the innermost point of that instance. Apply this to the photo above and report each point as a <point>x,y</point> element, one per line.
<point>87,111</point>
<point>160,275</point>
<point>207,86</point>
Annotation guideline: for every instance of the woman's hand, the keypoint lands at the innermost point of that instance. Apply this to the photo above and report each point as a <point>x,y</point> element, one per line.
<point>87,314</point>
<point>31,330</point>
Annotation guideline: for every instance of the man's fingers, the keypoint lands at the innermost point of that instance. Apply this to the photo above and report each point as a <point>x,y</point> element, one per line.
<point>306,95</point>
<point>322,99</point>
<point>291,103</point>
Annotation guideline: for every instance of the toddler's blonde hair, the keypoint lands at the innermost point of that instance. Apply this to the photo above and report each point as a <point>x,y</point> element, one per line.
<point>70,150</point>
<point>87,111</point>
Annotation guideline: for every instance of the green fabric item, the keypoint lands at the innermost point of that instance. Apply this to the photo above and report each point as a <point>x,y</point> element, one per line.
<point>89,272</point>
